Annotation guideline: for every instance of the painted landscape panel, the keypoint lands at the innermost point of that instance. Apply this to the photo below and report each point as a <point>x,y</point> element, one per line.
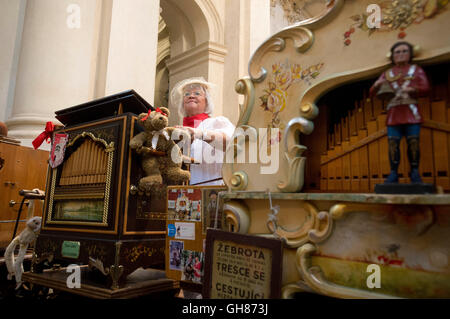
<point>411,247</point>
<point>79,210</point>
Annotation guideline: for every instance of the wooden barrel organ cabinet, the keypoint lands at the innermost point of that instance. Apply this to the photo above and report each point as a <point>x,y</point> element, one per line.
<point>91,217</point>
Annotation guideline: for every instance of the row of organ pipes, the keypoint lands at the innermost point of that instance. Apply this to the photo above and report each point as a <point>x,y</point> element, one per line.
<point>356,158</point>
<point>86,165</point>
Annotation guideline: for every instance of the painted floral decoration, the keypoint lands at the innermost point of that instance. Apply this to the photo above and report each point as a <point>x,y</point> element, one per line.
<point>397,15</point>
<point>275,98</point>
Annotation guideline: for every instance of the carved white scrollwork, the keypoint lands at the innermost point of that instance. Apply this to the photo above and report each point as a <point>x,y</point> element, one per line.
<point>245,87</point>
<point>293,152</point>
<point>316,235</point>
<point>235,153</point>
<point>97,263</point>
<point>296,235</point>
<point>242,133</point>
<point>256,72</point>
<point>314,277</point>
<point>302,37</point>
<point>288,291</point>
<point>237,216</point>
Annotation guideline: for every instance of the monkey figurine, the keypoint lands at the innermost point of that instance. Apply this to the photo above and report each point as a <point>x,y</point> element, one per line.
<point>27,236</point>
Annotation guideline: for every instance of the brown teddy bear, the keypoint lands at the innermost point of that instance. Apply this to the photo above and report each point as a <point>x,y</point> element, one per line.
<point>158,152</point>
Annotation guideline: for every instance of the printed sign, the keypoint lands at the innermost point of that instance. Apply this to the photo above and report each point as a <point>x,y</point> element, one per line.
<point>242,266</point>
<point>185,231</point>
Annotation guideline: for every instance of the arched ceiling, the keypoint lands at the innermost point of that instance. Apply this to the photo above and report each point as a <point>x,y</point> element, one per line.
<point>191,23</point>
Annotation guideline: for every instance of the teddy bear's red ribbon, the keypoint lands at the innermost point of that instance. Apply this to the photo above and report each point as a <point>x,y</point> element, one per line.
<point>150,111</point>
<point>160,111</point>
<point>46,135</point>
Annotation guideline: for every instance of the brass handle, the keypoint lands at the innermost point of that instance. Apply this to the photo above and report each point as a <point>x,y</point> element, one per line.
<point>12,202</point>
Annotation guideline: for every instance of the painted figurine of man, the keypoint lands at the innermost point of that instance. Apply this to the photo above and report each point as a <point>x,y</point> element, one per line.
<point>407,82</point>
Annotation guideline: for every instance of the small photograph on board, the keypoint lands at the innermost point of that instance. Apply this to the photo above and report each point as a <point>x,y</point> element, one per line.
<point>175,251</point>
<point>185,204</point>
<point>185,231</point>
<point>212,217</point>
<point>193,264</point>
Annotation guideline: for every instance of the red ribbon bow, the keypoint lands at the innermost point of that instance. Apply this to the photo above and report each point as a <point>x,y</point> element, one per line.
<point>160,111</point>
<point>149,111</point>
<point>46,135</point>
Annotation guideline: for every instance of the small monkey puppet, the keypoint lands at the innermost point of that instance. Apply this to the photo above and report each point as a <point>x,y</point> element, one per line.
<point>27,236</point>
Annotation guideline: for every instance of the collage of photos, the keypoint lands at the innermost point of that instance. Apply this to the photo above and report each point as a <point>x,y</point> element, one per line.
<point>187,207</point>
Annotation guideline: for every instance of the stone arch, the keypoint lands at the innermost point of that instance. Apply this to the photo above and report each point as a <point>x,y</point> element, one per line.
<point>196,43</point>
<point>191,22</point>
<point>216,31</point>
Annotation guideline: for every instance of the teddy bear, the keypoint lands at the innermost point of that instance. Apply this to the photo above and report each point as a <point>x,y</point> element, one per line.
<point>161,156</point>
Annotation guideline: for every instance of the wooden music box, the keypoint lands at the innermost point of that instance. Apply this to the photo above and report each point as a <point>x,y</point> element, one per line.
<point>92,215</point>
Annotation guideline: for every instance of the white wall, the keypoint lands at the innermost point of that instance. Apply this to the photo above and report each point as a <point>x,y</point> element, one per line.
<point>59,66</point>
<point>133,47</point>
<point>55,64</point>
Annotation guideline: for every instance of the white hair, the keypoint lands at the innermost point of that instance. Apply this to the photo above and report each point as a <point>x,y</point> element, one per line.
<point>179,89</point>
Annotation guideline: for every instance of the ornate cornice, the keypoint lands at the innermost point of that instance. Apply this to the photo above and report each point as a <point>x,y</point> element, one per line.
<point>207,51</point>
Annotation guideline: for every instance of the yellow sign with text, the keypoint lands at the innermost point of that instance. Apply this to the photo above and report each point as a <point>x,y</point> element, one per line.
<point>240,271</point>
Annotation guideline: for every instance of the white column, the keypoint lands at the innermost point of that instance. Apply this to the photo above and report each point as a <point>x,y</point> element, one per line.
<point>11,26</point>
<point>247,26</point>
<point>259,23</point>
<point>57,63</point>
<point>133,47</point>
